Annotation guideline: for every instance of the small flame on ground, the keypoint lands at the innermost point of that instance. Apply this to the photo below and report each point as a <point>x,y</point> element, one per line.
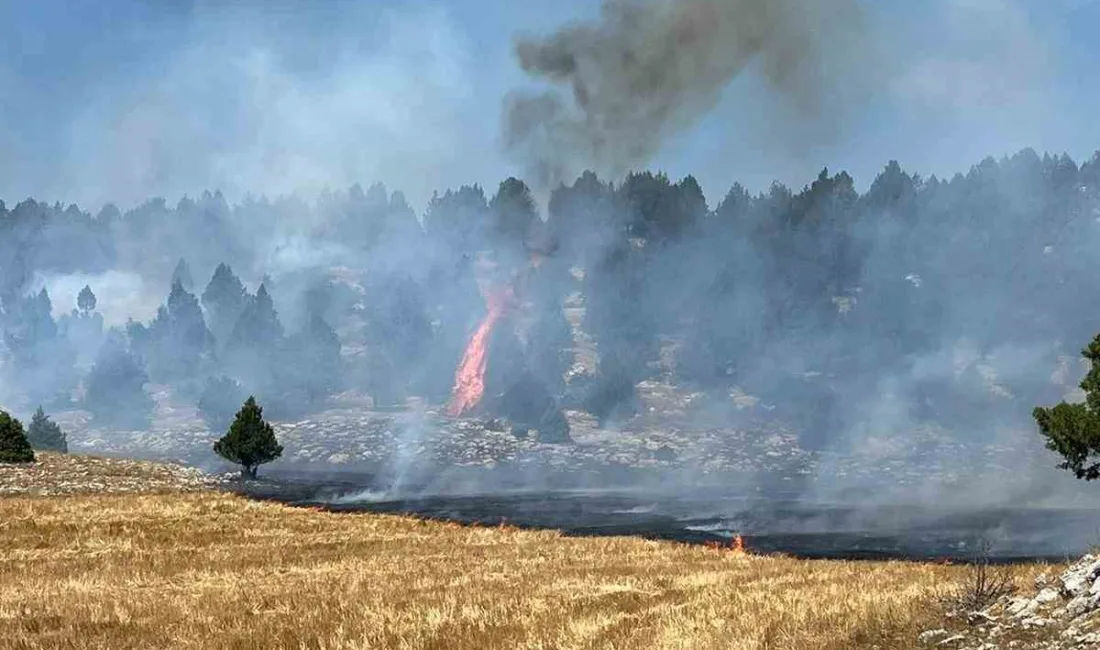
<point>470,376</point>
<point>736,545</point>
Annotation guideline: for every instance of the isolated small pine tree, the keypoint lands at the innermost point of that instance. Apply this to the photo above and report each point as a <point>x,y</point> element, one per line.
<point>14,447</point>
<point>45,435</point>
<point>250,441</point>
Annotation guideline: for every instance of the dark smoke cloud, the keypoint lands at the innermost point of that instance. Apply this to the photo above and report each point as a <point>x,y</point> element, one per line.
<point>649,69</point>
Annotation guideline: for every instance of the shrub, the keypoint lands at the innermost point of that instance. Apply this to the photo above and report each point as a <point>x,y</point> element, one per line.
<point>45,434</point>
<point>14,447</point>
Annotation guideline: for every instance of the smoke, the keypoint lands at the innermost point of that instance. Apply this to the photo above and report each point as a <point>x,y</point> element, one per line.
<point>249,106</point>
<point>121,295</point>
<point>247,103</point>
<point>650,69</point>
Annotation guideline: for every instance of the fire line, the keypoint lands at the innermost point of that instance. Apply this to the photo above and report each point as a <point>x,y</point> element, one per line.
<point>470,377</point>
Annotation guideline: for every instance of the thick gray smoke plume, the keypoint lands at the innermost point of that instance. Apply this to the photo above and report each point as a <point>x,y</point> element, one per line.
<point>649,69</point>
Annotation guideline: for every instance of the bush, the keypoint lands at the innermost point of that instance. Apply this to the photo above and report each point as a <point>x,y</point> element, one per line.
<point>46,435</point>
<point>983,585</point>
<point>14,447</point>
<point>250,441</point>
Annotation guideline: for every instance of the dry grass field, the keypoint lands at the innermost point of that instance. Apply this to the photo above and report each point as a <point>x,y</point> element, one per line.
<point>210,570</point>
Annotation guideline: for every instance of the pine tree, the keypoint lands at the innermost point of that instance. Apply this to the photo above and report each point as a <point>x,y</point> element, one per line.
<point>115,387</point>
<point>258,325</point>
<point>250,441</point>
<point>1073,430</point>
<point>312,367</point>
<point>182,275</point>
<point>86,301</point>
<point>224,298</point>
<point>178,340</point>
<point>45,434</point>
<point>14,447</point>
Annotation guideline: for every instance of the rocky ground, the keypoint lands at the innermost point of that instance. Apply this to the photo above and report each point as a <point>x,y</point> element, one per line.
<point>1063,613</point>
<point>64,474</point>
<point>670,435</point>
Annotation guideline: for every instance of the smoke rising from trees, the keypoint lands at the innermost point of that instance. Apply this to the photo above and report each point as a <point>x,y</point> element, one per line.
<point>649,69</point>
<point>858,319</point>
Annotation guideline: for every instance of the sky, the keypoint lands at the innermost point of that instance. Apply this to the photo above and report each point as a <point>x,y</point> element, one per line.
<point>120,100</point>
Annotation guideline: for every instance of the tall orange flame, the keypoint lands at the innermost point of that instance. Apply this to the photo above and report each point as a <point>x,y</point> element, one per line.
<point>470,376</point>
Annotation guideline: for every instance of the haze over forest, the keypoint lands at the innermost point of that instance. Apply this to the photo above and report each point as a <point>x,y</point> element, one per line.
<point>848,306</point>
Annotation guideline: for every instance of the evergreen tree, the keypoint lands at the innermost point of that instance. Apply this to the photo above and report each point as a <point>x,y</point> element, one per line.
<point>178,340</point>
<point>513,213</point>
<point>182,275</point>
<point>319,347</point>
<point>253,350</point>
<point>115,391</point>
<point>224,298</point>
<point>45,434</point>
<point>86,300</point>
<point>250,441</point>
<point>42,358</point>
<point>14,447</point>
<point>1073,430</point>
<point>458,219</point>
<point>258,326</point>
<point>583,217</point>
<point>399,331</point>
<point>623,327</point>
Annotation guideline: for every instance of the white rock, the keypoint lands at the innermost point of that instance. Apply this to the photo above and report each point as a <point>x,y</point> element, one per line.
<point>931,635</point>
<point>1047,595</point>
<point>1083,604</point>
<point>1036,621</point>
<point>952,639</point>
<point>1029,609</point>
<point>1080,577</point>
<point>1017,605</point>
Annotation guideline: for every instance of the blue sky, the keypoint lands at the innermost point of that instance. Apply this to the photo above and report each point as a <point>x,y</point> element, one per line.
<point>123,99</point>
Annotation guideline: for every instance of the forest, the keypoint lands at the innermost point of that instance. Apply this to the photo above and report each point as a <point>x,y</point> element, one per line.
<point>955,298</point>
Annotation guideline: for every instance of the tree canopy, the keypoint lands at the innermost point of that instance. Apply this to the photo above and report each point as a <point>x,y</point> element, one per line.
<point>250,441</point>
<point>1073,430</point>
<point>46,435</point>
<point>14,447</point>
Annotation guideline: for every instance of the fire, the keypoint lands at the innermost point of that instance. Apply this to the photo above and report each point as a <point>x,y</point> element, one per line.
<point>470,376</point>
<point>736,545</point>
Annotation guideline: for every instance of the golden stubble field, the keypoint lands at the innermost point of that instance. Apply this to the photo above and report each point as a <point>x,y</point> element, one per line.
<point>211,570</point>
